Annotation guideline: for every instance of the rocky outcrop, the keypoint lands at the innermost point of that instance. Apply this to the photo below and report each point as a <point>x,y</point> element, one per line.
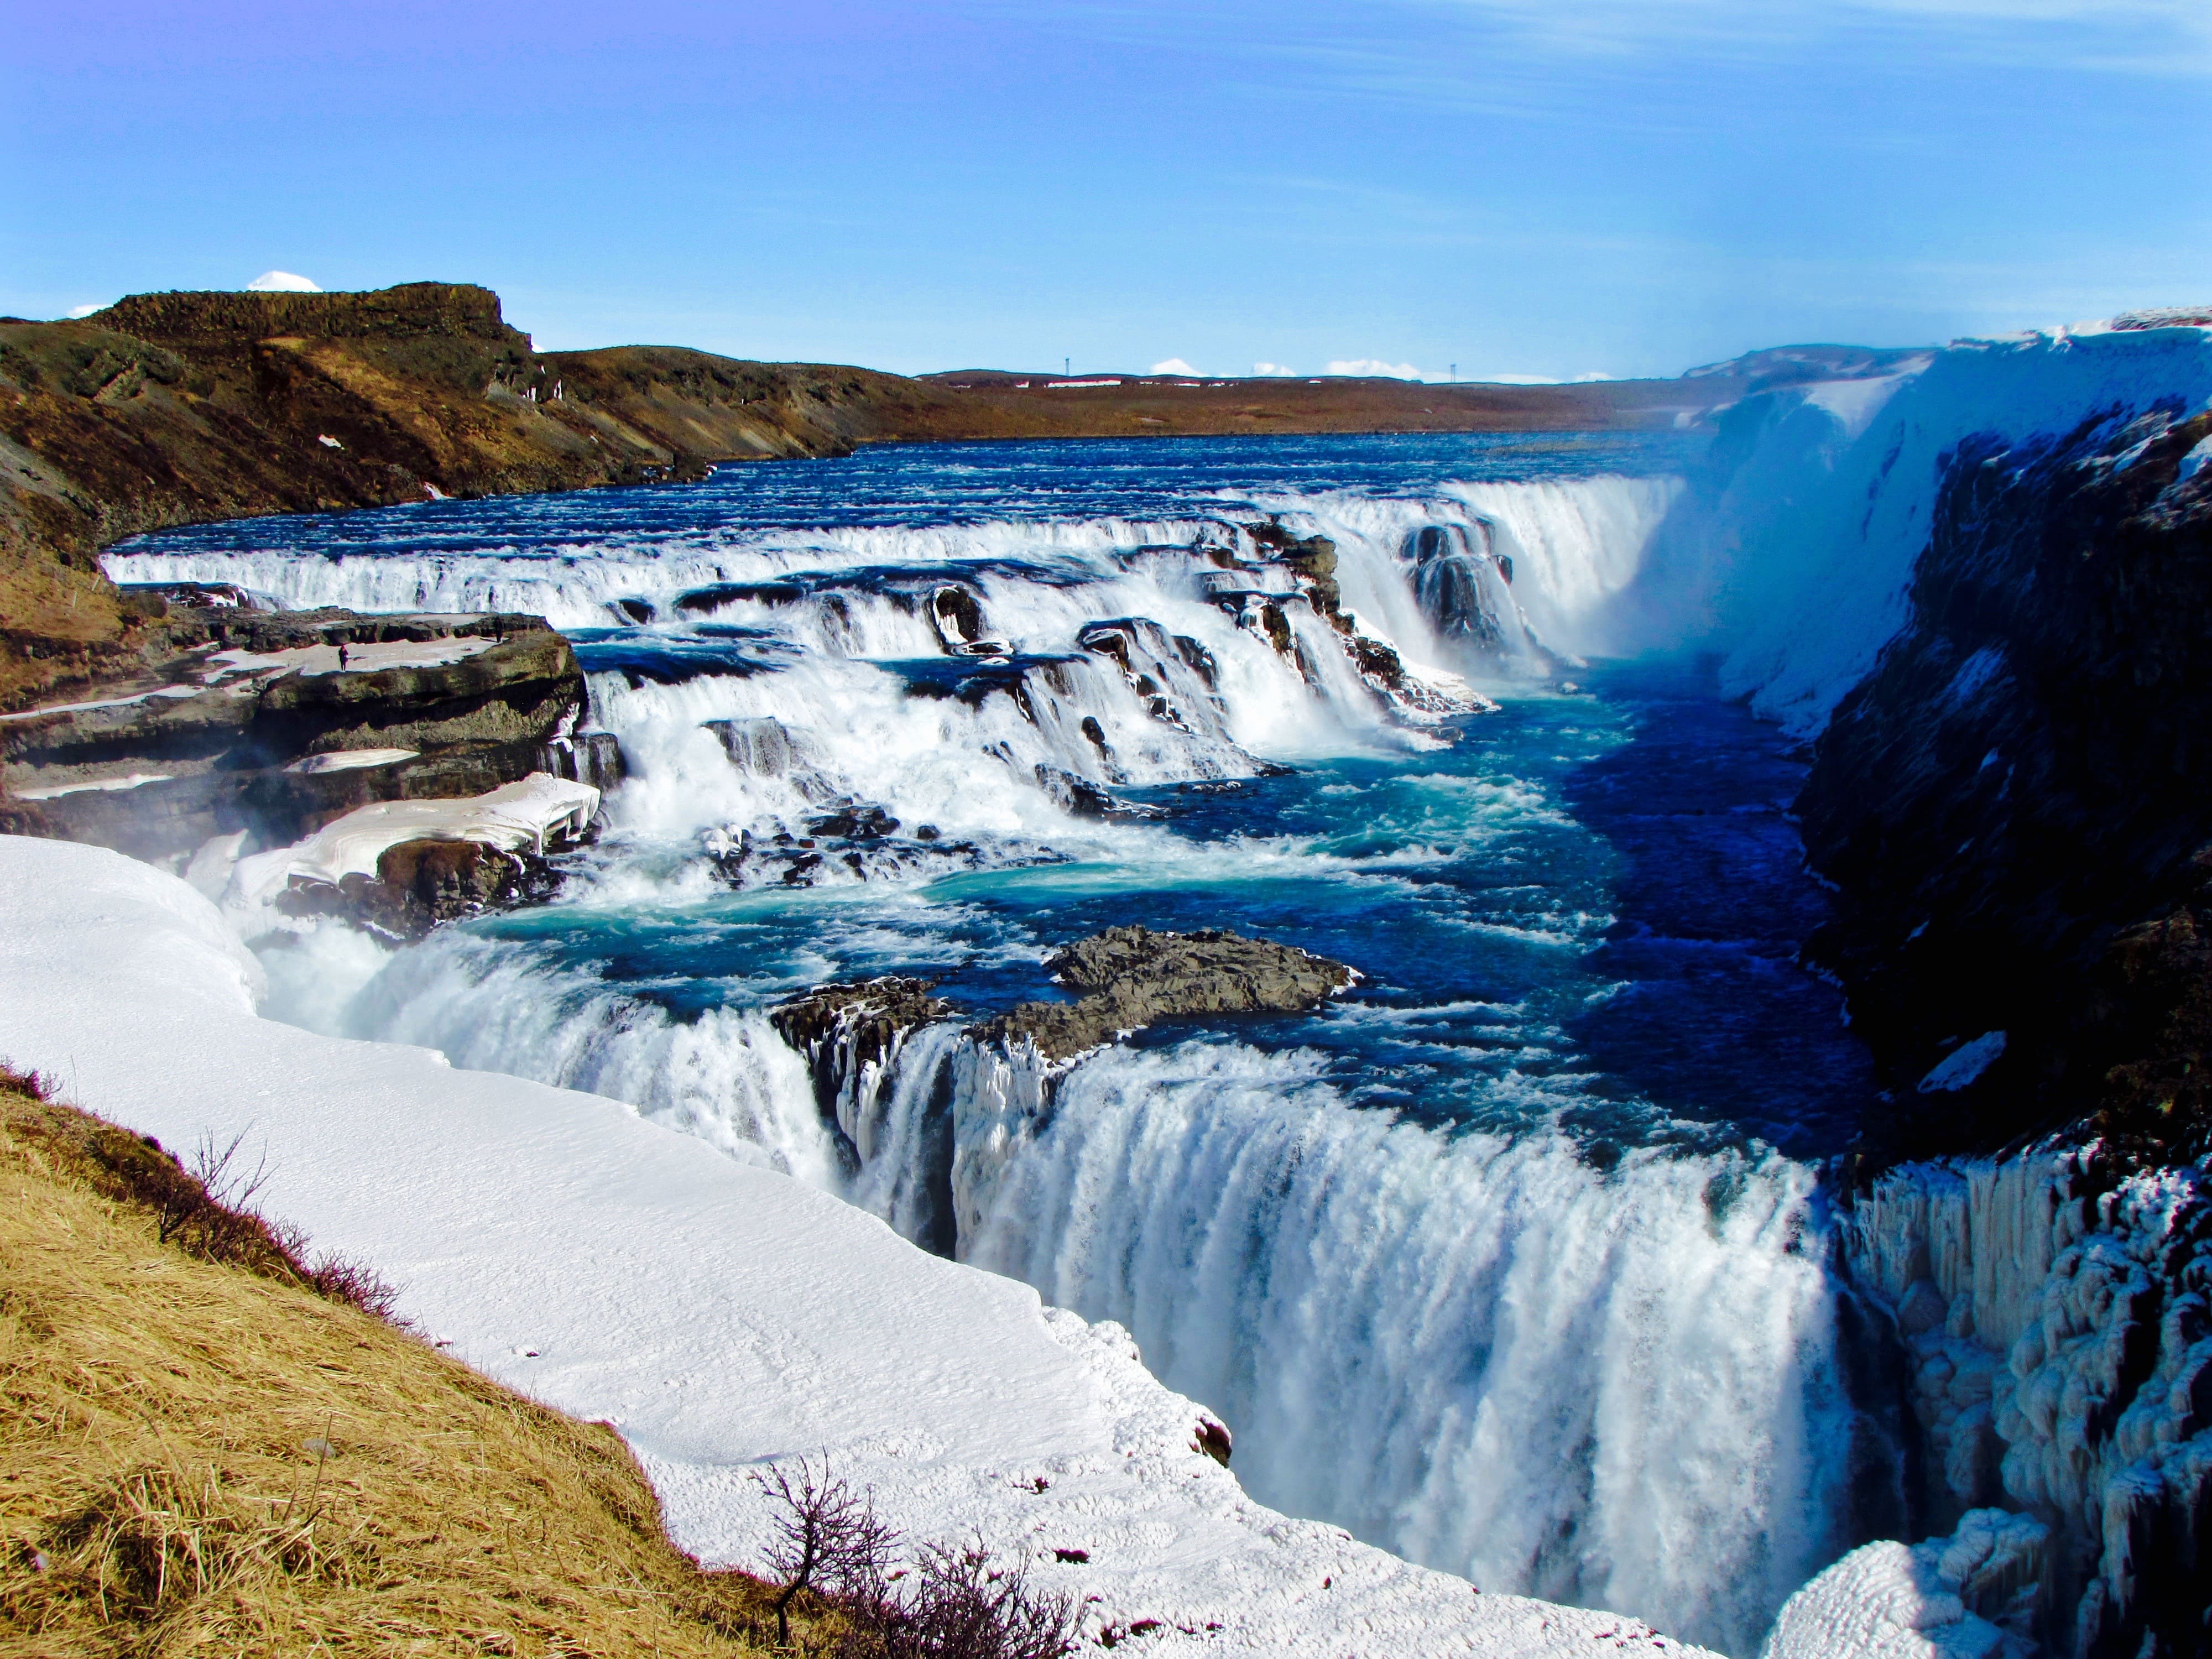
<point>1133,977</point>
<point>2016,806</point>
<point>421,884</point>
<point>253,721</point>
<point>849,1034</point>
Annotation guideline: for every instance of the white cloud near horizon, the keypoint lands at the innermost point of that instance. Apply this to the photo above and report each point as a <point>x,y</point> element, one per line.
<point>1272,369</point>
<point>75,312</point>
<point>1173,366</point>
<point>282,281</point>
<point>1374,368</point>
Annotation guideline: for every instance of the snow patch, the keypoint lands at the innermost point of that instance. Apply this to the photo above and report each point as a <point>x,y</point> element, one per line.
<point>720,1316</point>
<point>54,791</point>
<point>1965,1064</point>
<point>351,760</point>
<point>1889,1601</point>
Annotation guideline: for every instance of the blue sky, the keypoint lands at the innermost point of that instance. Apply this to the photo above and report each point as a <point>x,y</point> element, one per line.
<point>1533,187</point>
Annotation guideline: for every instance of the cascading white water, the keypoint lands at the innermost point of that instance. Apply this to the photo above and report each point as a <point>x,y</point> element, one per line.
<point>1614,1387</point>
<point>1609,1384</point>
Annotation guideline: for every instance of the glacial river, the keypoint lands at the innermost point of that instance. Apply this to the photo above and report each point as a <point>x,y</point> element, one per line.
<point>1511,1259</point>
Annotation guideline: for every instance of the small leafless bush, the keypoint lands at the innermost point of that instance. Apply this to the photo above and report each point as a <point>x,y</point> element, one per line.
<point>827,1539</point>
<point>960,1604</point>
<point>213,1209</point>
<point>956,1604</point>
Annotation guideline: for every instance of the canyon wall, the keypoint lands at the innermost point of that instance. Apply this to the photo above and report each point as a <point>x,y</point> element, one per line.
<point>1980,588</point>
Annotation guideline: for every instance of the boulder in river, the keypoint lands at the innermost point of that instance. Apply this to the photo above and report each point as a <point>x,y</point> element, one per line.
<point>1132,977</point>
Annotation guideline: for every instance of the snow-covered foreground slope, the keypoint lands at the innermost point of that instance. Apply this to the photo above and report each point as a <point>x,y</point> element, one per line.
<point>718,1315</point>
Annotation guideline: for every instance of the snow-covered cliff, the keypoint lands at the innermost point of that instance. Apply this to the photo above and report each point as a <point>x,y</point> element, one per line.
<point>1794,553</point>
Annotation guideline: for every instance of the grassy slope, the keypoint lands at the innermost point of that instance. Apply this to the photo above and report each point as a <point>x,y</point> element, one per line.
<point>209,1456</point>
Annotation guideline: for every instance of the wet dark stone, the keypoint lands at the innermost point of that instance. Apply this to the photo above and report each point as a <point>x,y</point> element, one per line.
<point>1082,798</point>
<point>1132,977</point>
<point>703,599</point>
<point>861,822</point>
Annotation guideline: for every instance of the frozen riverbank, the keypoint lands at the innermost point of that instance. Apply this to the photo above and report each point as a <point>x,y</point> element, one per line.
<point>718,1315</point>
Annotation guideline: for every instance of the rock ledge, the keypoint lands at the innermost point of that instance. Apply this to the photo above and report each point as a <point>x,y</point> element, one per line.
<point>1133,977</point>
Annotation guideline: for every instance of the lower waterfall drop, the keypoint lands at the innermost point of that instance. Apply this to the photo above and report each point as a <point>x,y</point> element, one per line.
<point>1511,1259</point>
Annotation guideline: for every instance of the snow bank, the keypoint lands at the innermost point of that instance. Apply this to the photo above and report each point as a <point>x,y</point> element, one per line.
<point>1799,567</point>
<point>1887,1601</point>
<point>365,657</point>
<point>717,1313</point>
<point>539,808</point>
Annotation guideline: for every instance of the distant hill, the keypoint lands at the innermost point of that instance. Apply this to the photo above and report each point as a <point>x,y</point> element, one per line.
<point>168,409</point>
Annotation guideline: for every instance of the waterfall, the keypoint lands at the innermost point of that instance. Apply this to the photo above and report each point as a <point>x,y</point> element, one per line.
<point>1606,1375</point>
<point>1613,1387</point>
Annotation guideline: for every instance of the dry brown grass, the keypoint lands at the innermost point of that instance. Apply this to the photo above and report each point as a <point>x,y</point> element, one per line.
<point>214,1457</point>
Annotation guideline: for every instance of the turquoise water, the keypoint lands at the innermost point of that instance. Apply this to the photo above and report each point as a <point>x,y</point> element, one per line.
<point>1512,1257</point>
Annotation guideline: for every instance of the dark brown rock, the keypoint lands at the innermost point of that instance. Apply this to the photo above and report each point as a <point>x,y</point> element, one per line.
<point>2015,806</point>
<point>1133,977</point>
<point>421,884</point>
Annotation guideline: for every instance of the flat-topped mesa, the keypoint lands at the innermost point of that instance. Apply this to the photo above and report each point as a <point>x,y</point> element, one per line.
<point>1133,977</point>
<point>411,310</point>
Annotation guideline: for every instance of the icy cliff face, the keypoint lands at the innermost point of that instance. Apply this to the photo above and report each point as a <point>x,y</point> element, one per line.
<point>2059,1341</point>
<point>2016,804</point>
<point>1984,585</point>
<point>1797,554</point>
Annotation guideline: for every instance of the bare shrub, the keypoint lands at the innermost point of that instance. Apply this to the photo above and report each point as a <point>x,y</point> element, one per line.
<point>963,1605</point>
<point>956,1604</point>
<point>828,1538</point>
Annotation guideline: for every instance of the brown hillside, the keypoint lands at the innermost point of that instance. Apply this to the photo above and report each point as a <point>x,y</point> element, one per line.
<point>169,409</point>
<point>203,1456</point>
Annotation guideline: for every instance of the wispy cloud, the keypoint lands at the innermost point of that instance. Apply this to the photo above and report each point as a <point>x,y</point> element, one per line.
<point>2152,37</point>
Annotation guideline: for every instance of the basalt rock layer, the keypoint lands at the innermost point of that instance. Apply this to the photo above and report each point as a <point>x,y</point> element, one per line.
<point>1133,977</point>
<point>253,724</point>
<point>2016,806</point>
